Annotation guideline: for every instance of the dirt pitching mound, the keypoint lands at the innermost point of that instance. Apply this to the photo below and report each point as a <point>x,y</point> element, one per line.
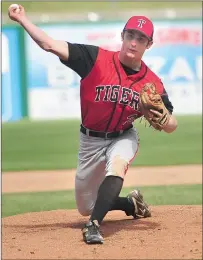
<point>173,232</point>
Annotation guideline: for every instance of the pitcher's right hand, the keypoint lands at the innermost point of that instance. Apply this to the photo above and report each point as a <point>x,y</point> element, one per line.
<point>16,15</point>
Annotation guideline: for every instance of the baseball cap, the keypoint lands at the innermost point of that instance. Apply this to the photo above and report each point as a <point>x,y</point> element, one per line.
<point>142,24</point>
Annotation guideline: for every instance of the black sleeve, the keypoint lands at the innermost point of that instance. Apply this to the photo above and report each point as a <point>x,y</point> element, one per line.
<point>167,102</point>
<point>82,58</point>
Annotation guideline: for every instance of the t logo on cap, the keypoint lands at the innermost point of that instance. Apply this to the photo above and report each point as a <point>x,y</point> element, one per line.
<point>141,22</point>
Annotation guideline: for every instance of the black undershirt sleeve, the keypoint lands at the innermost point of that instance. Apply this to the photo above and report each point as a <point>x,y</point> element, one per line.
<point>167,102</point>
<point>82,58</point>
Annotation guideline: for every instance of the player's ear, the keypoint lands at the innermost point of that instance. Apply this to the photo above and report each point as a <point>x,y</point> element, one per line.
<point>149,44</point>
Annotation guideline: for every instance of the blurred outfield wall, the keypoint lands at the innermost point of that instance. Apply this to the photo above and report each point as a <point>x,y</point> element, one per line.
<point>36,84</point>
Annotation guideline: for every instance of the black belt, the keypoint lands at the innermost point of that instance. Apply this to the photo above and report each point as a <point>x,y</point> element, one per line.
<point>105,135</point>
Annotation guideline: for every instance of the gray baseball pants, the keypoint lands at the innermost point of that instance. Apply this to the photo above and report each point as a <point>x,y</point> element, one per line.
<point>98,158</point>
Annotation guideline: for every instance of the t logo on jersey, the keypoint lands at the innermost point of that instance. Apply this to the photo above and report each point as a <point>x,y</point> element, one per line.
<point>141,22</point>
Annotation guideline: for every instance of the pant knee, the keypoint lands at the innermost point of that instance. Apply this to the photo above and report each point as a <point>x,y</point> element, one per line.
<point>118,167</point>
<point>84,203</point>
<point>84,211</point>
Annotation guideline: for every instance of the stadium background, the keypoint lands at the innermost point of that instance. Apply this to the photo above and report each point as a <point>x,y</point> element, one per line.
<point>40,97</point>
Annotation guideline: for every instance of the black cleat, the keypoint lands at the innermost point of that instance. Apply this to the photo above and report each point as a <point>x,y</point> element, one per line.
<point>91,234</point>
<point>141,208</point>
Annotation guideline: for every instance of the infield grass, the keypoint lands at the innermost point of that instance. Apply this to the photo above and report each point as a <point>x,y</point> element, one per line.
<point>54,145</point>
<point>18,203</point>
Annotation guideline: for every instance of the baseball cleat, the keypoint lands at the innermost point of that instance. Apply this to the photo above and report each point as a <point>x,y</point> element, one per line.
<point>141,208</point>
<point>91,234</point>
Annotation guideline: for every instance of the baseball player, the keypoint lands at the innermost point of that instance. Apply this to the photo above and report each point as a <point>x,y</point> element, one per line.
<point>110,87</point>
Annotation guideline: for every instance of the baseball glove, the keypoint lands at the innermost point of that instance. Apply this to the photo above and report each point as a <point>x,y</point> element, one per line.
<point>152,107</point>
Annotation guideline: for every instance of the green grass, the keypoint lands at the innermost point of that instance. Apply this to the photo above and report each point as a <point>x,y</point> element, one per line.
<point>68,7</point>
<point>17,203</point>
<point>54,145</point>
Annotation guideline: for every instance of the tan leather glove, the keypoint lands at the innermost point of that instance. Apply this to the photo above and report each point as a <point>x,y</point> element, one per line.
<point>152,107</point>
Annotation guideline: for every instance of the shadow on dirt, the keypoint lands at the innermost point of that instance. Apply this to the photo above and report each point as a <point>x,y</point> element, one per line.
<point>109,227</point>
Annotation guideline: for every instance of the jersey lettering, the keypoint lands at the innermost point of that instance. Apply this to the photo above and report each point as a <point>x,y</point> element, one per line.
<point>98,90</point>
<point>125,94</point>
<point>135,100</point>
<point>131,119</point>
<point>107,92</point>
<point>113,92</point>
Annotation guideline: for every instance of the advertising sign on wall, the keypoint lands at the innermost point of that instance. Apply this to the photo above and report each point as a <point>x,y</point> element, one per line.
<point>11,82</point>
<point>176,56</point>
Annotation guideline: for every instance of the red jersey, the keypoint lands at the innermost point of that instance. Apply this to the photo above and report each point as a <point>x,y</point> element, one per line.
<point>109,97</point>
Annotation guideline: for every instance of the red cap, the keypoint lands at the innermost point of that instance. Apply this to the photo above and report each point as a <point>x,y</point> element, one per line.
<point>142,24</point>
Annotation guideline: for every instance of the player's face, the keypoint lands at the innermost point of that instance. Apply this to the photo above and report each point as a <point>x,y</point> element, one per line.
<point>134,44</point>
